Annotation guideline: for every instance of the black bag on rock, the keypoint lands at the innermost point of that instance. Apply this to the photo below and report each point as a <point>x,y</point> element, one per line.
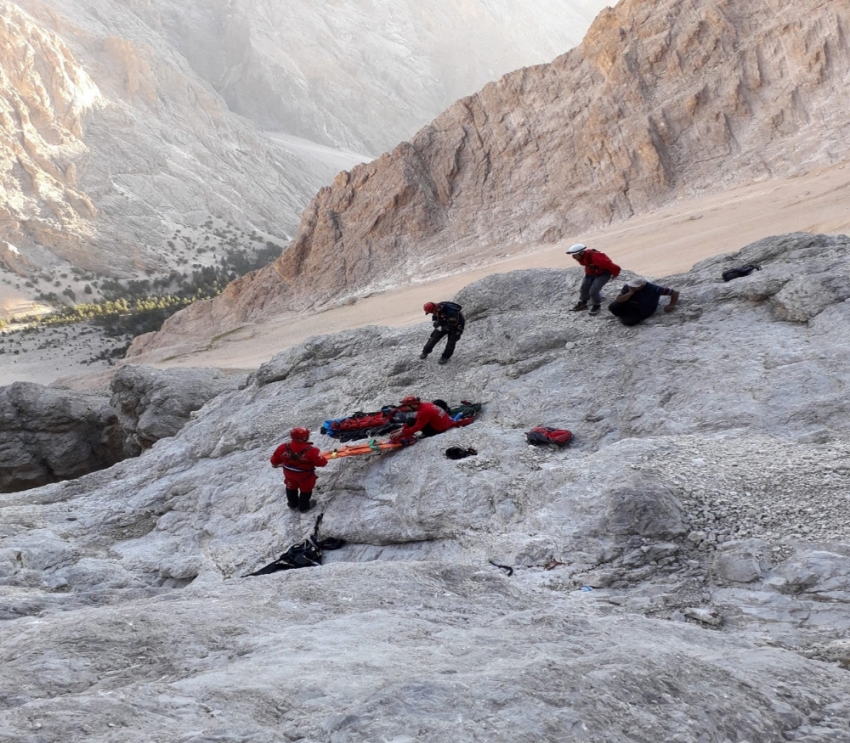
<point>737,273</point>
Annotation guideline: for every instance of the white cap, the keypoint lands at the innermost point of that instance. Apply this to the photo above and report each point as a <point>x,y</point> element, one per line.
<point>637,282</point>
<point>577,248</point>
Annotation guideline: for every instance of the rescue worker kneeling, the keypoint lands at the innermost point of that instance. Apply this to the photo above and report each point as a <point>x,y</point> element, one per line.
<point>431,418</point>
<point>298,458</point>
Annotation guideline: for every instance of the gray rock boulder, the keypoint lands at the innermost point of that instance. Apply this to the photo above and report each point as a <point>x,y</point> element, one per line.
<point>643,508</point>
<point>152,404</point>
<point>48,434</point>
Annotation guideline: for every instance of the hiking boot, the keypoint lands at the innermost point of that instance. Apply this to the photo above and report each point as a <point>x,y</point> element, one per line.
<point>595,309</point>
<point>579,306</point>
<point>443,360</point>
<point>423,356</point>
<point>292,498</point>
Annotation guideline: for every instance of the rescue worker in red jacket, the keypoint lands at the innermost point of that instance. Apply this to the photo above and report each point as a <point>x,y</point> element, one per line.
<point>432,418</point>
<point>298,458</point>
<point>599,269</point>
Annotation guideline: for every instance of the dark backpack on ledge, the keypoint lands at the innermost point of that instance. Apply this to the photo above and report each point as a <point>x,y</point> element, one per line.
<point>737,273</point>
<point>542,435</point>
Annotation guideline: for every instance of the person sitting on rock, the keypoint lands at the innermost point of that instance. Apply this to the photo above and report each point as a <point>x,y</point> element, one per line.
<point>298,458</point>
<point>639,300</point>
<point>431,419</point>
<point>598,271</point>
<point>448,321</point>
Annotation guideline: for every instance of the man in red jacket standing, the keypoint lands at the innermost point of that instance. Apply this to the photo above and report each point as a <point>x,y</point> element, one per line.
<point>431,419</point>
<point>598,270</point>
<point>298,458</point>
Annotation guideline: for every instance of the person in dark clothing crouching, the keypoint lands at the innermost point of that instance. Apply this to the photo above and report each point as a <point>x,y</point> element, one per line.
<point>448,321</point>
<point>638,300</point>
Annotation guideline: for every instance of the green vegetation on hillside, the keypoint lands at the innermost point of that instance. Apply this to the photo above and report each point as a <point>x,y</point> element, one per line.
<point>130,308</point>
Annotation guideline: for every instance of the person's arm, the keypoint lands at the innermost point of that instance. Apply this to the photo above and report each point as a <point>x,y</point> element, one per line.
<point>316,458</point>
<point>422,419</point>
<point>627,293</point>
<point>604,262</point>
<point>674,297</point>
<point>276,458</point>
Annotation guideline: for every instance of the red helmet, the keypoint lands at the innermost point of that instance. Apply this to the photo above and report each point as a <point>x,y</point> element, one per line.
<point>430,308</point>
<point>299,434</point>
<point>410,400</point>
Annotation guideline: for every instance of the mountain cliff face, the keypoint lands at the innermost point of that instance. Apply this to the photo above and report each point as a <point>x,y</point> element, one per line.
<point>126,120</point>
<point>108,140</point>
<point>661,100</point>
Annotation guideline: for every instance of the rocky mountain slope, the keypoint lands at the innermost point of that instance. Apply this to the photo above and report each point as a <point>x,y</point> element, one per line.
<point>110,142</point>
<point>123,123</point>
<point>680,572</point>
<point>661,100</point>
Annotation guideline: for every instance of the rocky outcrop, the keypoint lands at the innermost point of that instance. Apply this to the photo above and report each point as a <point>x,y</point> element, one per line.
<point>680,569</point>
<point>661,100</point>
<point>153,404</point>
<point>47,435</point>
<point>51,434</point>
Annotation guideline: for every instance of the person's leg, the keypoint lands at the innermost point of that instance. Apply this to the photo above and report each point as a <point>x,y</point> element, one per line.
<point>428,430</point>
<point>292,497</point>
<point>450,345</point>
<point>596,287</point>
<point>304,501</point>
<point>584,293</point>
<point>435,338</point>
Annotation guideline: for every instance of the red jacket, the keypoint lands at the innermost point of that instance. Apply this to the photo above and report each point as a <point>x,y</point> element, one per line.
<point>429,413</point>
<point>596,263</point>
<point>298,457</point>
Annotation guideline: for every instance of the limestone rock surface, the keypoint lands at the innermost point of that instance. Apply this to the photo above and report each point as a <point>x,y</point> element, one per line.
<point>49,434</point>
<point>679,570</point>
<point>153,404</point>
<point>661,100</point>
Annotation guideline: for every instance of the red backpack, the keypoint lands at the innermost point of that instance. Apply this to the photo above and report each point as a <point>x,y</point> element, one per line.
<point>544,435</point>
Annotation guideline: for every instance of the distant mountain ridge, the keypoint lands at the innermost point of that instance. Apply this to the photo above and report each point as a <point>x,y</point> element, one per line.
<point>662,100</point>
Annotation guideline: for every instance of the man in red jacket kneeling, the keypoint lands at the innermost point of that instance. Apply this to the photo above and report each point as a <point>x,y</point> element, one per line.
<point>298,458</point>
<point>431,418</point>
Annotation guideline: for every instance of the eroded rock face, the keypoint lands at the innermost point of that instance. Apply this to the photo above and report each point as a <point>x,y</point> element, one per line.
<point>123,121</point>
<point>680,569</point>
<point>661,100</point>
<point>153,404</point>
<point>108,140</point>
<point>49,434</point>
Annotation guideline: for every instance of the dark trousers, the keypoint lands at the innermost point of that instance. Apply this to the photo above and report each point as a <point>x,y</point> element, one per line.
<point>591,286</point>
<point>437,336</point>
<point>299,499</point>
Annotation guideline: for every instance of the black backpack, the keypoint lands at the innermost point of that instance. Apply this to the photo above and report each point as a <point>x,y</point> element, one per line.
<point>737,273</point>
<point>450,312</point>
